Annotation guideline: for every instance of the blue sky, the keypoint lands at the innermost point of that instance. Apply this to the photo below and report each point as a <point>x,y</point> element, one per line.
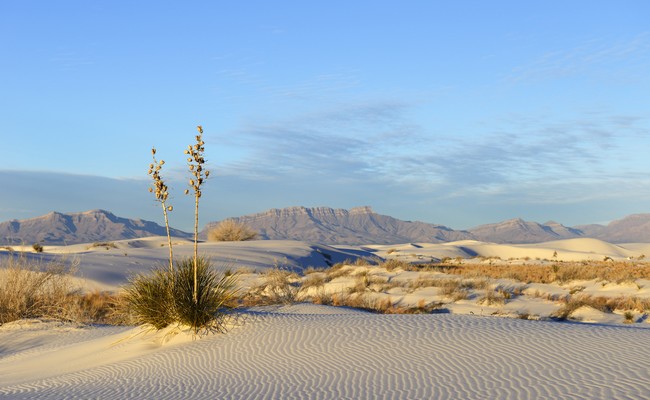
<point>458,112</point>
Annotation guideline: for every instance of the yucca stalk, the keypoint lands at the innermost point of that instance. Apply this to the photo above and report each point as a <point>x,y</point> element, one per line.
<point>195,163</point>
<point>159,189</point>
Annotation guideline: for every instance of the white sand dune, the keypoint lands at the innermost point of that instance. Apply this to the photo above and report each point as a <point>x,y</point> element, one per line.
<point>307,351</point>
<point>560,250</point>
<point>319,352</point>
<point>108,268</point>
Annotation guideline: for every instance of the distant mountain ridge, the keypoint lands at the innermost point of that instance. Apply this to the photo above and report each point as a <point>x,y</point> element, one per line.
<point>360,225</point>
<point>357,226</point>
<point>85,227</point>
<point>519,231</point>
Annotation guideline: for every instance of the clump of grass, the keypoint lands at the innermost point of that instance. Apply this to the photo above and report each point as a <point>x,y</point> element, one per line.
<point>628,317</point>
<point>454,289</point>
<point>230,230</point>
<point>279,286</point>
<point>491,297</point>
<point>164,297</point>
<point>150,298</point>
<point>107,245</point>
<point>33,289</point>
<point>392,265</point>
<point>339,270</point>
<point>215,294</point>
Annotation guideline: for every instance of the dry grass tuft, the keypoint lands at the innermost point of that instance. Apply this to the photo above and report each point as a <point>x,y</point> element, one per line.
<point>230,230</point>
<point>30,288</point>
<point>278,287</point>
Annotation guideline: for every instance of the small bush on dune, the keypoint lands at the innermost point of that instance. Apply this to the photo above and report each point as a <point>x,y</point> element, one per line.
<point>164,297</point>
<point>215,294</point>
<point>149,298</point>
<point>231,231</point>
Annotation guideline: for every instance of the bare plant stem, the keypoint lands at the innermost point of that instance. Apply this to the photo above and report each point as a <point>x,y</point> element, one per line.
<point>196,247</point>
<point>199,174</point>
<point>169,240</point>
<point>160,191</point>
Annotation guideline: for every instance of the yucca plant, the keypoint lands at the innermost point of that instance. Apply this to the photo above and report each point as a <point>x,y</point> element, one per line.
<point>150,298</point>
<point>190,292</point>
<point>204,305</point>
<point>159,189</point>
<point>162,297</point>
<point>195,163</point>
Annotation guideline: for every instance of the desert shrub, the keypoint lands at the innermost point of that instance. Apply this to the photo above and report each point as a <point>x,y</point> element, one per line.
<point>163,297</point>
<point>491,297</point>
<point>629,317</point>
<point>215,294</point>
<point>150,298</point>
<point>455,289</point>
<point>230,230</point>
<point>279,286</point>
<point>393,264</point>
<point>107,245</point>
<point>34,289</point>
<point>37,247</point>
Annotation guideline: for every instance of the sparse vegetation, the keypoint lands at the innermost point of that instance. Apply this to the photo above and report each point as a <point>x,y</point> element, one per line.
<point>230,230</point>
<point>106,245</point>
<point>163,297</point>
<point>279,286</point>
<point>32,289</point>
<point>37,247</point>
<point>193,293</point>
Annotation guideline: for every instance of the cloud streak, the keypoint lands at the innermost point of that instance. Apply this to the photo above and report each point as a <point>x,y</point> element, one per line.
<point>623,59</point>
<point>375,144</point>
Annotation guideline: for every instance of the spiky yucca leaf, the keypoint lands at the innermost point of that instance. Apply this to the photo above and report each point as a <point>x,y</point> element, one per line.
<point>214,293</point>
<point>149,297</point>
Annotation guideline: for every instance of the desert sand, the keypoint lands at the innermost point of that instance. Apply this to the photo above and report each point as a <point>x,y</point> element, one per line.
<point>308,351</point>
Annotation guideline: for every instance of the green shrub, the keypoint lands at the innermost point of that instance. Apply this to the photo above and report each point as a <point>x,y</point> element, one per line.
<point>149,298</point>
<point>164,297</point>
<point>215,293</point>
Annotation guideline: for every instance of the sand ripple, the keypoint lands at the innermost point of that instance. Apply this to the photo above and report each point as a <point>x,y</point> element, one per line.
<point>307,353</point>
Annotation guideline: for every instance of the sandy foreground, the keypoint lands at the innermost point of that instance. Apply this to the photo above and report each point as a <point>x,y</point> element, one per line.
<point>305,351</point>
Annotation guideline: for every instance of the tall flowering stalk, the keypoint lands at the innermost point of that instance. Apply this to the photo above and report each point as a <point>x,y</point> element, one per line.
<point>195,163</point>
<point>159,189</point>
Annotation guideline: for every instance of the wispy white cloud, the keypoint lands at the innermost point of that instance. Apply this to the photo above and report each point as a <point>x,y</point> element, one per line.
<point>376,145</point>
<point>621,59</point>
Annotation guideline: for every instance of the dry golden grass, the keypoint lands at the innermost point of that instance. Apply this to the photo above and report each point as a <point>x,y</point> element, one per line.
<point>604,304</point>
<point>230,230</point>
<point>30,288</point>
<point>562,272</point>
<point>278,287</point>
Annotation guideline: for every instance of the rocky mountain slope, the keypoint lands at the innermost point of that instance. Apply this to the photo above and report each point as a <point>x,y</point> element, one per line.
<point>360,225</point>
<point>85,227</point>
<point>325,225</point>
<point>519,231</point>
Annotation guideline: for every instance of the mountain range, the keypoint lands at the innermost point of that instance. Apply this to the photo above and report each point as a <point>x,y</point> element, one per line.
<point>85,227</point>
<point>360,225</point>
